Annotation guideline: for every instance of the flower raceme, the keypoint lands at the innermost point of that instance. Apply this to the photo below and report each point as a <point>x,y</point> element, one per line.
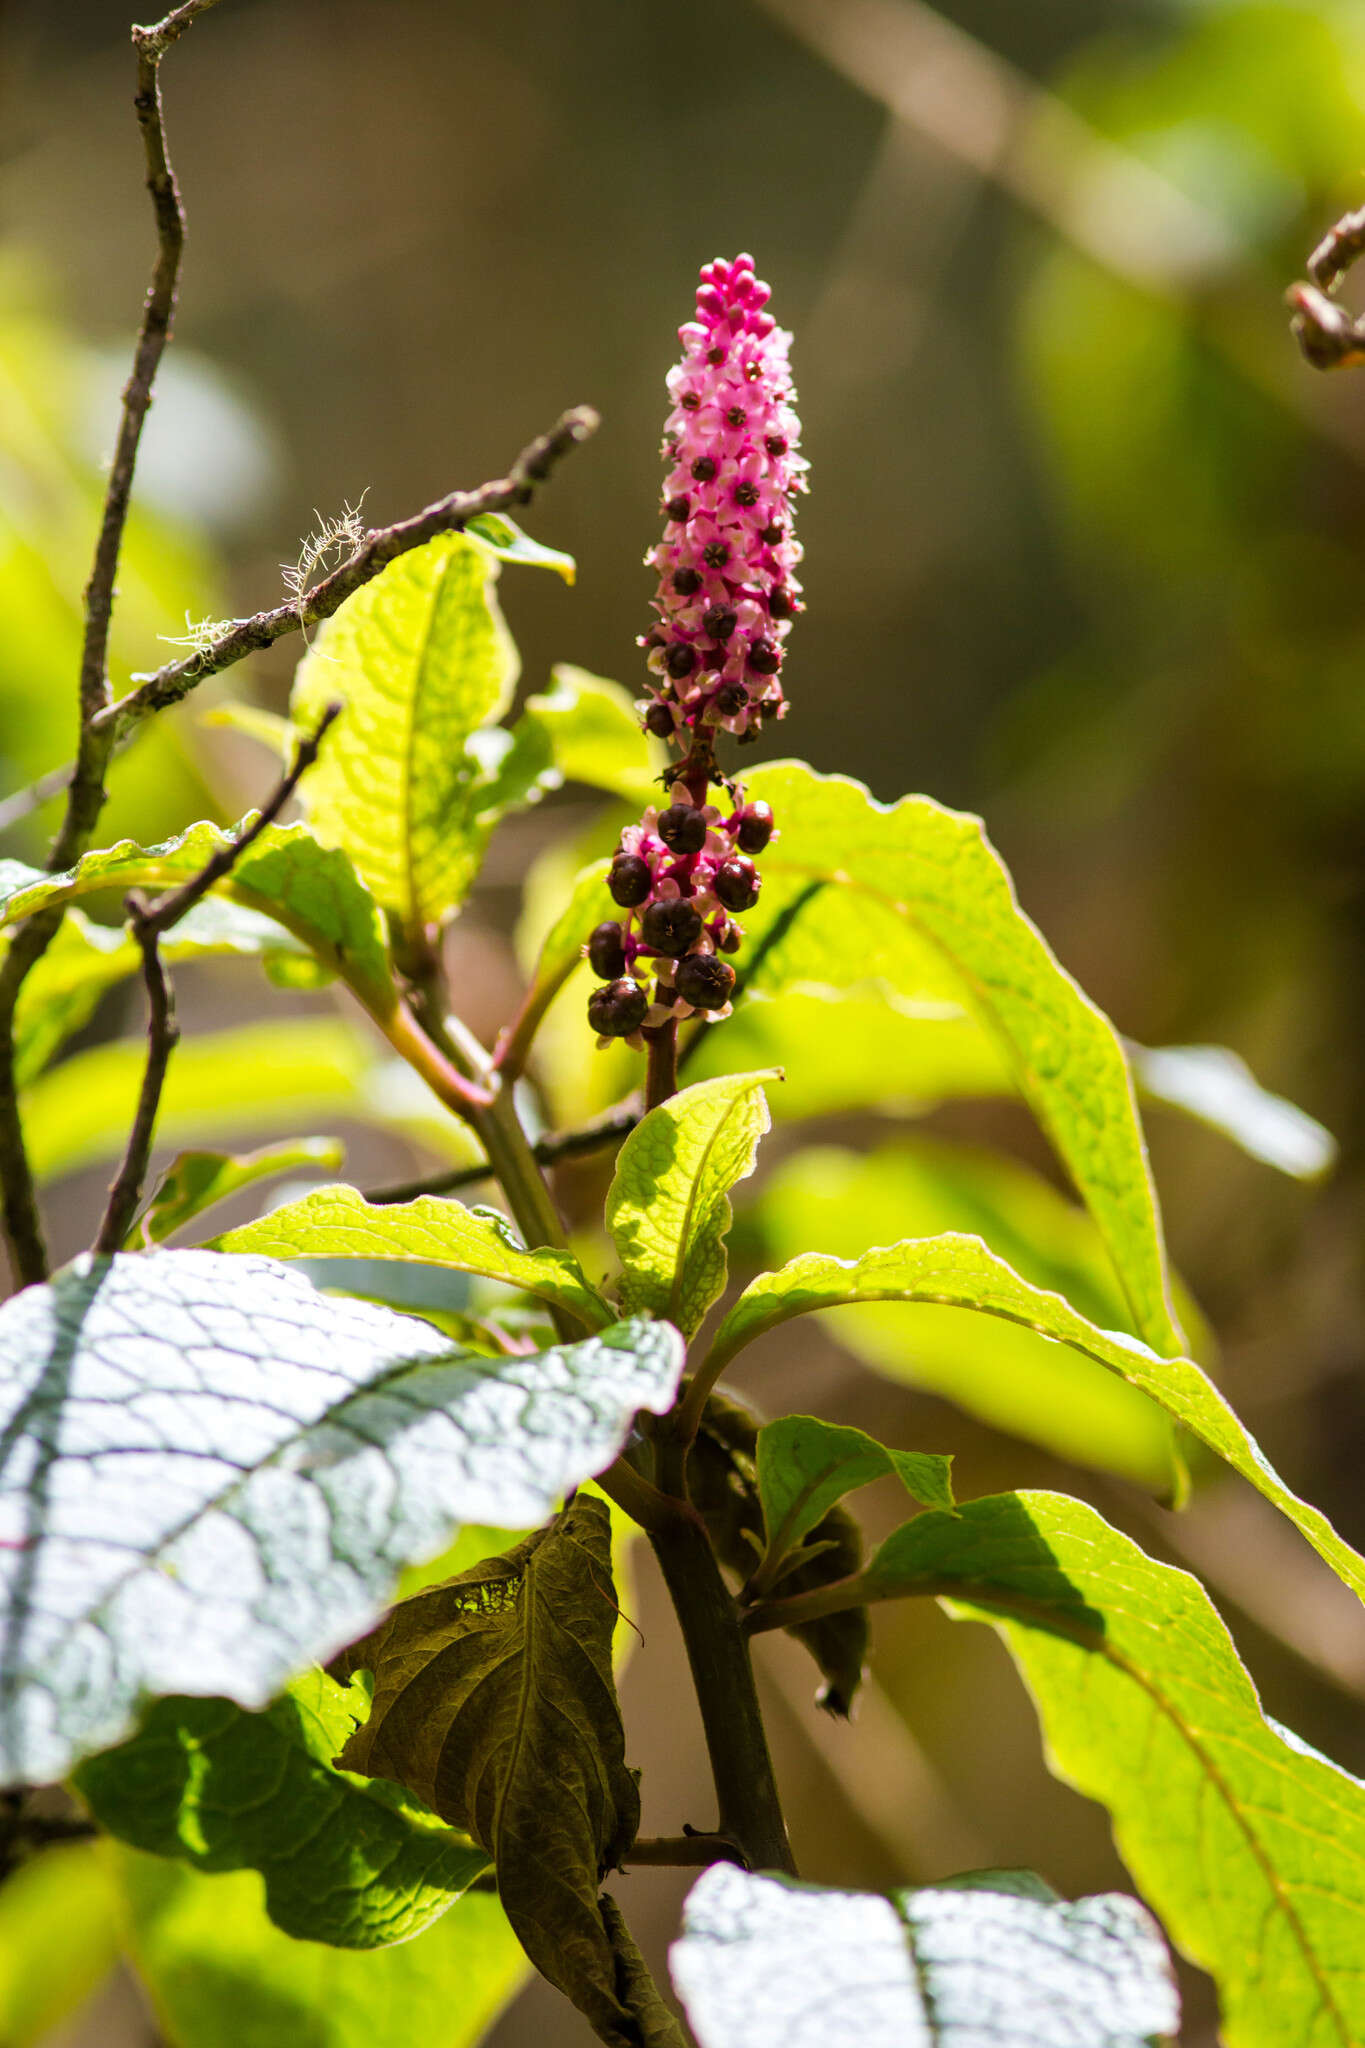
<point>726,598</point>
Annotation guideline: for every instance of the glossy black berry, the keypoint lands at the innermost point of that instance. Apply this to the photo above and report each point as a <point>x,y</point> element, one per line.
<point>780,601</point>
<point>736,883</point>
<point>678,509</point>
<point>686,582</point>
<point>774,443</point>
<point>755,827</point>
<point>704,468</point>
<point>730,698</point>
<point>659,721</point>
<point>618,1009</point>
<point>704,981</point>
<point>719,622</point>
<point>771,534</point>
<point>630,880</point>
<point>680,660</point>
<point>607,952</point>
<point>671,925</point>
<point>682,827</point>
<point>730,940</point>
<point>764,657</point>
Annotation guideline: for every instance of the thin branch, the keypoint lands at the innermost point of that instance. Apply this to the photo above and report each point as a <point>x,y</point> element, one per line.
<point>17,807</point>
<point>163,1035</point>
<point>381,546</point>
<point>594,1137</point>
<point>86,796</point>
<point>690,1850</point>
<point>662,1072</point>
<point>150,922</point>
<point>1327,334</point>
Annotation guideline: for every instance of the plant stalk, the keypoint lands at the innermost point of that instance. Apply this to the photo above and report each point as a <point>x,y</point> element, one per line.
<point>722,1675</point>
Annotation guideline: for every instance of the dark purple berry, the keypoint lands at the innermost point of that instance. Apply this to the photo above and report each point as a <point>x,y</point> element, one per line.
<point>774,443</point>
<point>755,827</point>
<point>780,601</point>
<point>730,698</point>
<point>704,468</point>
<point>771,534</point>
<point>704,981</point>
<point>678,508</point>
<point>607,952</point>
<point>680,660</point>
<point>737,883</point>
<point>746,494</point>
<point>715,554</point>
<point>715,356</point>
<point>682,827</point>
<point>618,1009</point>
<point>671,925</point>
<point>736,416</point>
<point>686,582</point>
<point>764,657</point>
<point>659,721</point>
<point>719,622</point>
<point>690,402</point>
<point>630,880</point>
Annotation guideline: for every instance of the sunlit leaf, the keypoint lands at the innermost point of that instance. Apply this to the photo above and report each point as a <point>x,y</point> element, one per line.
<point>345,1860</point>
<point>338,1223</point>
<point>805,1465</point>
<point>218,1974</point>
<point>59,1936</point>
<point>767,1963</point>
<point>214,1474</point>
<point>668,1209</point>
<point>195,1181</point>
<point>1249,1845</point>
<point>423,662</point>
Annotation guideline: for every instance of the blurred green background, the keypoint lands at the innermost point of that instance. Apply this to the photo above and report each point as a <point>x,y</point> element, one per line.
<point>1083,552</point>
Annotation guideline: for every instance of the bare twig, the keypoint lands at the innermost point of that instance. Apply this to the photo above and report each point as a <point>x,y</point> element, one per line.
<point>690,1850</point>
<point>380,547</point>
<point>86,795</point>
<point>594,1137</point>
<point>150,922</point>
<point>1329,337</point>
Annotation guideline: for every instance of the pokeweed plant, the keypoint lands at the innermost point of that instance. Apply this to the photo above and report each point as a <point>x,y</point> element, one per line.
<point>227,1468</point>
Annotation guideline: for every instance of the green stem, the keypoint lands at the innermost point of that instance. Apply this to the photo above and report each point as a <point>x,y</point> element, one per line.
<point>722,1675</point>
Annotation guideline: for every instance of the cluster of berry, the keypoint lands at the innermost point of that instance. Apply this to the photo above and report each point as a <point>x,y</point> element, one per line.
<point>679,875</point>
<point>727,595</point>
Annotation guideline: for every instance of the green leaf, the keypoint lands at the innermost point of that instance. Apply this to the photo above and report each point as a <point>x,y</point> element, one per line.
<point>213,1475</point>
<point>1011,1378</point>
<point>494,1702</point>
<point>723,1483</point>
<point>765,1962</point>
<point>1249,1845</point>
<point>62,990</point>
<point>422,660</point>
<point>1218,1088</point>
<point>219,1975</point>
<point>504,538</point>
<point>345,1860</point>
<point>286,874</point>
<point>961,1272</point>
<point>338,1223</point>
<point>301,1069</point>
<point>593,735</point>
<point>59,1937</point>
<point>668,1209</point>
<point>639,1994</point>
<point>195,1181</point>
<point>914,895</point>
<point>806,1465</point>
<point>562,947</point>
<point>253,722</point>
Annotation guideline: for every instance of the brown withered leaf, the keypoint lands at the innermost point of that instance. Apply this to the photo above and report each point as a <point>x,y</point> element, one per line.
<point>635,1986</point>
<point>724,1487</point>
<point>494,1702</point>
